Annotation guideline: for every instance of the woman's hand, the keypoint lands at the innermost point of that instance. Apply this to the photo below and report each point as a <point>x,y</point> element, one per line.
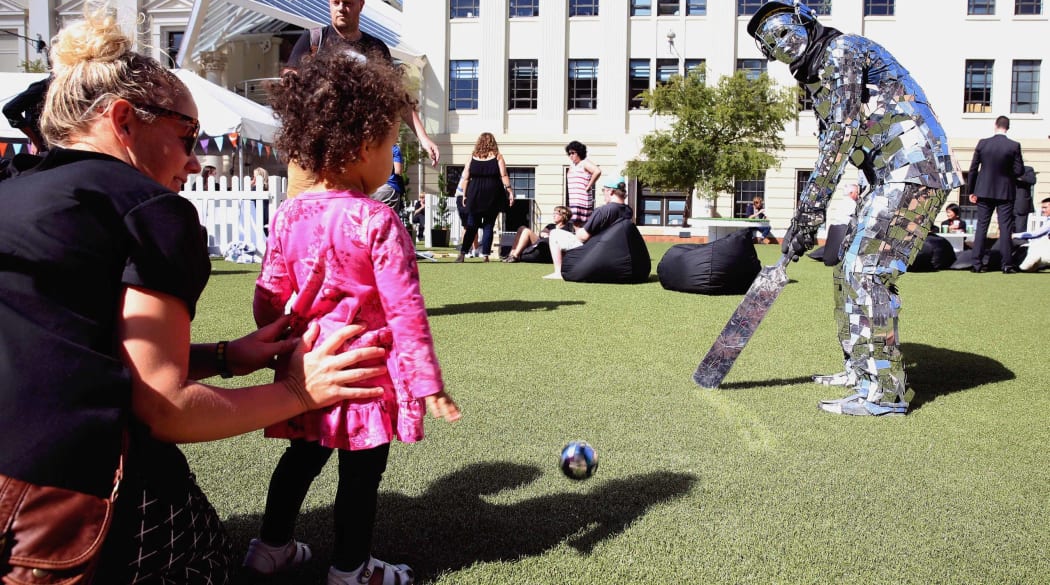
<point>260,348</point>
<point>324,376</point>
<point>441,405</point>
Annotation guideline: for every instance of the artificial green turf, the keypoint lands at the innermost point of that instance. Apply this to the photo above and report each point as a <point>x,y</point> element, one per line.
<point>746,484</point>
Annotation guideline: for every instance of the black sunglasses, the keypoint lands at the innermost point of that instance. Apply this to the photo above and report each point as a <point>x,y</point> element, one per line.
<point>189,142</point>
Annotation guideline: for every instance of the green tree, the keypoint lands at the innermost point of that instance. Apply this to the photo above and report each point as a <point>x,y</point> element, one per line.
<point>718,133</point>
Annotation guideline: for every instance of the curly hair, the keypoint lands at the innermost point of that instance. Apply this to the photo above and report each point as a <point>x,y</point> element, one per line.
<point>336,103</point>
<point>485,145</point>
<point>577,147</point>
<point>94,66</point>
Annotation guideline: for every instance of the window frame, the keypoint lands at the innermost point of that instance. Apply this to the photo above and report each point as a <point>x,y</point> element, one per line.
<point>664,201</point>
<point>1028,7</point>
<point>1033,82</point>
<point>879,7</point>
<point>696,7</point>
<point>454,89</point>
<point>980,7</point>
<point>641,7</point>
<point>523,182</point>
<point>663,73</point>
<point>748,7</point>
<point>978,99</point>
<point>820,7</point>
<point>577,85</point>
<point>744,192</point>
<point>522,89</point>
<point>463,9</point>
<point>668,7</point>
<point>750,72</point>
<point>583,8</point>
<point>516,8</point>
<point>634,82</point>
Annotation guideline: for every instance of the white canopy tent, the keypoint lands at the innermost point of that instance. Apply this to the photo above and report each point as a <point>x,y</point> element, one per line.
<point>221,111</point>
<point>13,84</point>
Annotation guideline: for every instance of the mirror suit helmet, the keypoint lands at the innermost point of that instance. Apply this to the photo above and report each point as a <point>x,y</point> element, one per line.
<point>782,29</point>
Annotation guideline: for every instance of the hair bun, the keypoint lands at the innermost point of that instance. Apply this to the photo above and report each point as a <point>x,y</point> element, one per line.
<point>96,38</point>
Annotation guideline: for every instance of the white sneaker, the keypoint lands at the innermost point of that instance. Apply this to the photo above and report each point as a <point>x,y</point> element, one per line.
<point>554,276</point>
<point>267,560</point>
<point>390,574</point>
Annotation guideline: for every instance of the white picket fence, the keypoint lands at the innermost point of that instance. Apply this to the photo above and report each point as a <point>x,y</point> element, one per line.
<point>233,212</point>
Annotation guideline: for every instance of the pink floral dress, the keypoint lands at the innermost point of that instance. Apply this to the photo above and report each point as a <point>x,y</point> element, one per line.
<point>348,259</point>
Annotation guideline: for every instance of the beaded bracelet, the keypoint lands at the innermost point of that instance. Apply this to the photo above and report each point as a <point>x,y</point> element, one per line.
<point>221,365</point>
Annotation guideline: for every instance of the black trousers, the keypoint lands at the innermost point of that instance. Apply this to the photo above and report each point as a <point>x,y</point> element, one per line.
<point>355,500</point>
<point>1004,211</point>
<point>486,221</point>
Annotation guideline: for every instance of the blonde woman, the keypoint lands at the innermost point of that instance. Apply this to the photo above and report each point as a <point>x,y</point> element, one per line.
<point>103,268</point>
<point>487,188</point>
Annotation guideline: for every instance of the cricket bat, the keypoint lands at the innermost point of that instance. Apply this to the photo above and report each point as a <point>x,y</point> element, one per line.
<point>742,325</point>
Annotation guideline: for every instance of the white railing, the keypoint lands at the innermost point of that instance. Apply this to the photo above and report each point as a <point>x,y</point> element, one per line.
<point>233,212</point>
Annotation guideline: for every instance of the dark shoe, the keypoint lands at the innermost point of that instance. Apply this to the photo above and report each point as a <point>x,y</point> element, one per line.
<point>511,259</point>
<point>978,269</point>
<point>459,259</point>
<point>1010,270</point>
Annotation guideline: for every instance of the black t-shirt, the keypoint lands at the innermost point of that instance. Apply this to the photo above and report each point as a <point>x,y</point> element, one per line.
<point>606,215</point>
<point>74,232</point>
<point>367,45</point>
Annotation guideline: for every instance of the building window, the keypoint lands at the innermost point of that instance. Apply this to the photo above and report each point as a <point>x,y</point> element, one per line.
<point>980,7</point>
<point>661,207</point>
<point>1028,7</point>
<point>637,82</point>
<point>641,7</point>
<point>977,90</point>
<point>696,7</point>
<point>752,68</point>
<point>878,7</point>
<point>523,181</point>
<point>696,65</point>
<point>665,68</point>
<point>668,7</point>
<point>583,7</point>
<point>801,180</point>
<point>805,99</point>
<point>522,8</point>
<point>748,7</point>
<point>744,192</point>
<point>820,7</point>
<point>523,76</point>
<point>1024,87</point>
<point>463,85</point>
<point>452,176</point>
<point>174,44</point>
<point>463,8</point>
<point>583,84</point>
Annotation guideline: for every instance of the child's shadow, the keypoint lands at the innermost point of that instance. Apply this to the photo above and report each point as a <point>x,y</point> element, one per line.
<point>452,525</point>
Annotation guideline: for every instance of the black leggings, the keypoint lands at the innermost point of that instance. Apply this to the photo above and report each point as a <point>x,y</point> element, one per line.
<point>355,500</point>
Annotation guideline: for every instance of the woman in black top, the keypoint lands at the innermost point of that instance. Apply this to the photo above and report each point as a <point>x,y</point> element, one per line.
<point>101,267</point>
<point>488,192</point>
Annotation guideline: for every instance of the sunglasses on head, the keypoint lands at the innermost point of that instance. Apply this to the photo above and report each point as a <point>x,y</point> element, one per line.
<point>189,142</point>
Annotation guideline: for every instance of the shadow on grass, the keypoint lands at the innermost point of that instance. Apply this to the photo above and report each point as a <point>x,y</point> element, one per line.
<point>215,272</point>
<point>499,306</point>
<point>452,526</point>
<point>937,371</point>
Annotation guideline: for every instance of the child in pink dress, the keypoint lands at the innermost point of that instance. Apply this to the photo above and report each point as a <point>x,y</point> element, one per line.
<point>342,258</point>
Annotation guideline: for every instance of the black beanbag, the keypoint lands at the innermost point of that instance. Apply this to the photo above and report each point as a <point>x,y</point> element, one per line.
<point>617,255</point>
<point>833,244</point>
<point>724,266</point>
<point>538,252</point>
<point>817,254</point>
<point>964,260</point>
<point>936,254</point>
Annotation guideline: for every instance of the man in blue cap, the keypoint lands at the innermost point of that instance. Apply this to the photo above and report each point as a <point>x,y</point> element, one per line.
<point>873,114</point>
<point>614,210</point>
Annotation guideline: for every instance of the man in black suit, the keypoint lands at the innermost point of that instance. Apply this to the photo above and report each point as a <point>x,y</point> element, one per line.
<point>994,171</point>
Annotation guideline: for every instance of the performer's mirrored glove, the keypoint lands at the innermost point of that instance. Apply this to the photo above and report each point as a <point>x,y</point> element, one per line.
<point>802,235</point>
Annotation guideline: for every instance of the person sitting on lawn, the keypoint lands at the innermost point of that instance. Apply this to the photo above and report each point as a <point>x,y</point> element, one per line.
<point>345,257</point>
<point>757,210</point>
<point>526,239</point>
<point>614,210</point>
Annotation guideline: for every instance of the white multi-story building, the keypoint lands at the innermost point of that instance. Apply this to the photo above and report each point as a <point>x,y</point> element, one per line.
<point>539,73</point>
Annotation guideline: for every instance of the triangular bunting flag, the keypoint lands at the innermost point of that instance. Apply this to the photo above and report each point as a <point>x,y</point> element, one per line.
<point>218,143</point>
<point>6,147</point>
<point>267,148</point>
<point>259,148</point>
<point>204,144</point>
<point>19,147</point>
<point>233,136</point>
